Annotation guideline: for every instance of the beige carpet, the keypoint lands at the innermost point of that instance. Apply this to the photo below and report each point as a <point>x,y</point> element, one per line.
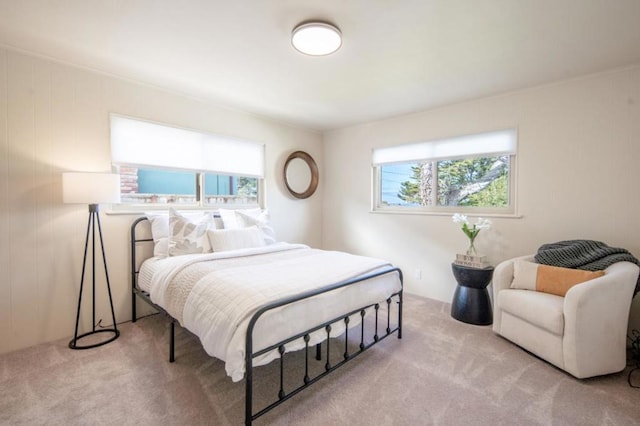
<point>443,372</point>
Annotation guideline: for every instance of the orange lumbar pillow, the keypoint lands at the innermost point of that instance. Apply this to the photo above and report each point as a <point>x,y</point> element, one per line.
<point>548,279</point>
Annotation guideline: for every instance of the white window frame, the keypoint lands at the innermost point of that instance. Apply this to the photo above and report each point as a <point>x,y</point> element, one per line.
<point>485,144</point>
<point>150,145</point>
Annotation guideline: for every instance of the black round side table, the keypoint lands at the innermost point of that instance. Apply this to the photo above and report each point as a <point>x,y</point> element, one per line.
<point>471,302</point>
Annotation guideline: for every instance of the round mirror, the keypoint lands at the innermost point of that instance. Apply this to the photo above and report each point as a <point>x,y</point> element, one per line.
<point>301,175</point>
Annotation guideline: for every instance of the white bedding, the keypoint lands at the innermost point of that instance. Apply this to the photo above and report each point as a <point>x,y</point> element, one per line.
<point>215,295</point>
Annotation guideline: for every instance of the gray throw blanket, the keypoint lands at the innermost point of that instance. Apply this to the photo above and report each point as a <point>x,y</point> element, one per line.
<point>588,255</point>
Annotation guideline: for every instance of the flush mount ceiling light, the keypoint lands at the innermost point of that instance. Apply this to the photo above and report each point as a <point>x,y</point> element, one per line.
<point>316,38</point>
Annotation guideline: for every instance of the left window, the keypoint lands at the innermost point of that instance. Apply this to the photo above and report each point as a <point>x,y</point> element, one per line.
<point>163,165</point>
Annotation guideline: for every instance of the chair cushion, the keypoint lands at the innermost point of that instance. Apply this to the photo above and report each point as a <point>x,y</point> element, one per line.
<point>540,309</point>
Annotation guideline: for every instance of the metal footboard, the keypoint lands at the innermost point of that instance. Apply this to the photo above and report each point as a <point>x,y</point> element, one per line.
<point>306,380</point>
<point>379,333</point>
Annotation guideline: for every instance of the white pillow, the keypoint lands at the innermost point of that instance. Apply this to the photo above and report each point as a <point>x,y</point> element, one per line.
<point>229,217</point>
<point>161,247</point>
<point>159,232</point>
<point>188,236</point>
<point>159,224</point>
<point>234,239</point>
<point>260,220</point>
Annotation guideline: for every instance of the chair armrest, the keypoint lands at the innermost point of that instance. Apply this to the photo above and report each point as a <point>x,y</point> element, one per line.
<point>502,279</point>
<point>596,318</point>
<point>503,274</point>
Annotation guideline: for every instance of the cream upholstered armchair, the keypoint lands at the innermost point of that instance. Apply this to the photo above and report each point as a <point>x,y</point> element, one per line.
<point>583,333</point>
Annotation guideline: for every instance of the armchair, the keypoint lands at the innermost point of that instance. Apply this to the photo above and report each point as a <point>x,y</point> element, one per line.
<point>583,333</point>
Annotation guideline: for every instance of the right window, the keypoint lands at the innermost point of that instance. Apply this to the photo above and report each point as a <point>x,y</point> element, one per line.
<point>473,174</point>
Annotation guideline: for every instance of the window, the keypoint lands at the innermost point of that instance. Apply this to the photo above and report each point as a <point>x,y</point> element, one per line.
<point>153,186</point>
<point>221,189</point>
<point>161,165</point>
<point>473,174</point>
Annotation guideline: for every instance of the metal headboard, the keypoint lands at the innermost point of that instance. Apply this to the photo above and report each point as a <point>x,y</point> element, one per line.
<point>138,241</point>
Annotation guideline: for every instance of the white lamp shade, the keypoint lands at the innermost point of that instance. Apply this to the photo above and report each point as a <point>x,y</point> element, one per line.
<point>90,188</point>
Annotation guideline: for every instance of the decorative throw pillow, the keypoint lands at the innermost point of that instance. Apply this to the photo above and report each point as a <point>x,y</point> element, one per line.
<point>260,220</point>
<point>549,279</point>
<point>188,236</point>
<point>159,221</point>
<point>234,239</point>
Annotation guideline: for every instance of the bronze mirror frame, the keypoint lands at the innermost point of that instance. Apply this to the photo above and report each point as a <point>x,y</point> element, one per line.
<point>313,169</point>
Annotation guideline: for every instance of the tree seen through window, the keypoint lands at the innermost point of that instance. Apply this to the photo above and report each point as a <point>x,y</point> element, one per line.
<point>474,182</point>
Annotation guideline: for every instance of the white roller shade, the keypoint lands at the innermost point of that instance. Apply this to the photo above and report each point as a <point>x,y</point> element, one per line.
<point>141,143</point>
<point>486,144</point>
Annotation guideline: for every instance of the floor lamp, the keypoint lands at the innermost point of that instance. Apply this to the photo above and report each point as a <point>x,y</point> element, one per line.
<point>92,189</point>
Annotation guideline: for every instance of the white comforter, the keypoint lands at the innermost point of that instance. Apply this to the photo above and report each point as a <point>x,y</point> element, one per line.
<point>231,286</point>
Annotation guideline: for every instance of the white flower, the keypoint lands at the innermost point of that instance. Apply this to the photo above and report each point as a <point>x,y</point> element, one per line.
<point>471,231</point>
<point>483,223</point>
<point>460,218</point>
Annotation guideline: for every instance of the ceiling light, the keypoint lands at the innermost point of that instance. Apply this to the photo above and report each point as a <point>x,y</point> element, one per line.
<point>316,38</point>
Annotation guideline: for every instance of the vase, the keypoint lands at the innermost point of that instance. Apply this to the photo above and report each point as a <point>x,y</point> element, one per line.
<point>471,250</point>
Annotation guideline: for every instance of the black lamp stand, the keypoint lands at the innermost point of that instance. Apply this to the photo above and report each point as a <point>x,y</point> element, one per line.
<point>94,216</point>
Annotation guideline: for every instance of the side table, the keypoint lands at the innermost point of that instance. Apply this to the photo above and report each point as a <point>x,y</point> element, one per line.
<point>471,302</point>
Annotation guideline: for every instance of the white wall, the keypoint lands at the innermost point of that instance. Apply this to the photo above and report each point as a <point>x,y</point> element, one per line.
<point>578,177</point>
<point>54,118</point>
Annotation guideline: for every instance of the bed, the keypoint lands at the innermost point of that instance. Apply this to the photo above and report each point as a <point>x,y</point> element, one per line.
<point>253,304</point>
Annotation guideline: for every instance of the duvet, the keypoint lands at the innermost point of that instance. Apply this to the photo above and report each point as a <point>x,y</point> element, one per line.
<point>215,295</point>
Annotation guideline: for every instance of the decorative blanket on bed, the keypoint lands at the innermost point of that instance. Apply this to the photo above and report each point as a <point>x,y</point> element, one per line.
<point>588,255</point>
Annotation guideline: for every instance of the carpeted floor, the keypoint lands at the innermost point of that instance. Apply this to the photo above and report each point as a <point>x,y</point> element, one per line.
<point>443,372</point>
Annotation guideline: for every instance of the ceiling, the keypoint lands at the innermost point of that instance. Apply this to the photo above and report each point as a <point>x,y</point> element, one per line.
<point>397,57</point>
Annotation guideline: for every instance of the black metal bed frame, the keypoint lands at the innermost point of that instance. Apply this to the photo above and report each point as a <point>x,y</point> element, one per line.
<point>280,346</point>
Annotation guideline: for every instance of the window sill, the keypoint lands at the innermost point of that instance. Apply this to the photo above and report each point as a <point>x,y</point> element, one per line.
<point>447,213</point>
<point>140,210</point>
